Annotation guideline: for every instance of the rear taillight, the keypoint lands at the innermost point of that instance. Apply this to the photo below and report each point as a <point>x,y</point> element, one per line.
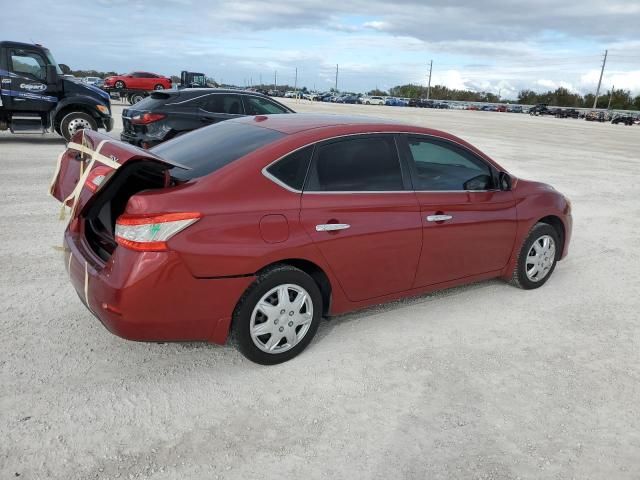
<point>97,177</point>
<point>147,118</point>
<point>151,232</point>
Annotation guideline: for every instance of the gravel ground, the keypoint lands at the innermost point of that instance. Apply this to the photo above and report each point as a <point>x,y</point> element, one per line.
<point>481,382</point>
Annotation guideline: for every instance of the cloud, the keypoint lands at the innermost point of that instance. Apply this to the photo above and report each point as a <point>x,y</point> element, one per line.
<point>482,44</point>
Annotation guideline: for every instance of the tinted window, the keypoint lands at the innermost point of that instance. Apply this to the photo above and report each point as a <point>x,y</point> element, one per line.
<point>210,148</point>
<point>29,64</point>
<point>362,163</point>
<point>262,106</point>
<point>292,169</point>
<point>217,103</point>
<point>440,165</point>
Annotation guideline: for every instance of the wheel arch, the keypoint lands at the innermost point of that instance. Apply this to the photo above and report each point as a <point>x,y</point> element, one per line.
<point>315,272</point>
<point>557,224</point>
<point>75,107</point>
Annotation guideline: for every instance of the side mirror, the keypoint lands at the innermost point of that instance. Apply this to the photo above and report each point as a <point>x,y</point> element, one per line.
<point>52,74</point>
<point>65,69</point>
<point>504,179</point>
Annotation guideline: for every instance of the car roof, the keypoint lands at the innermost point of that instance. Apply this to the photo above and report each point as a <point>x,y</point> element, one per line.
<point>302,122</point>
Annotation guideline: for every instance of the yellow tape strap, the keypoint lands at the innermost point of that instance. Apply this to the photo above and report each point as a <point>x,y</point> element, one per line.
<point>95,154</point>
<point>95,157</point>
<point>56,173</point>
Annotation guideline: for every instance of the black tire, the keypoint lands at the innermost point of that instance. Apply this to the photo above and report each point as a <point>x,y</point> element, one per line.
<point>119,84</point>
<point>74,122</point>
<point>266,281</point>
<point>519,277</point>
<point>135,98</point>
<point>158,87</point>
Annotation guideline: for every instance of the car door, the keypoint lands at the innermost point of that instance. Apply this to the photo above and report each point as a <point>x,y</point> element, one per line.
<point>468,224</point>
<point>218,107</point>
<point>358,209</point>
<point>137,81</point>
<point>27,88</point>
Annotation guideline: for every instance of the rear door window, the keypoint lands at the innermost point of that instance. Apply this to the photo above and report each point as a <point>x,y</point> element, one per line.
<point>222,103</point>
<point>360,164</point>
<point>207,149</point>
<point>262,106</point>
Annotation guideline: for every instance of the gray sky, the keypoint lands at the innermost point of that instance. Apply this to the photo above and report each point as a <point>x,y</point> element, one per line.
<point>479,44</point>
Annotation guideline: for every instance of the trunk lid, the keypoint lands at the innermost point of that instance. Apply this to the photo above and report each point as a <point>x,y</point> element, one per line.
<point>89,163</point>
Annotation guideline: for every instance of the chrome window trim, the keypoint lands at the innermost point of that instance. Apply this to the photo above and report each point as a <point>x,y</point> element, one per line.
<point>348,192</point>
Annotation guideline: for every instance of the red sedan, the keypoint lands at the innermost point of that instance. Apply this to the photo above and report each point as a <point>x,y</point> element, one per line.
<point>138,81</point>
<point>259,226</point>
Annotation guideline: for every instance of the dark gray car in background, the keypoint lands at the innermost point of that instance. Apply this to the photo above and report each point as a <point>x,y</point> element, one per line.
<point>166,114</point>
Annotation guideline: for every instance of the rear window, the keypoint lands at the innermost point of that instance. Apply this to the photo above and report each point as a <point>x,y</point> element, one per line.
<point>155,100</point>
<point>207,149</point>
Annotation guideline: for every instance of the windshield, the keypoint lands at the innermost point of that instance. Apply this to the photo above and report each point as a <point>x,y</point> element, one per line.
<point>52,61</point>
<point>207,149</point>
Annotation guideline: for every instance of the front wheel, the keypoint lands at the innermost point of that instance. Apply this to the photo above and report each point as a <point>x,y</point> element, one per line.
<point>74,122</point>
<point>158,87</point>
<point>537,258</point>
<point>277,316</point>
<point>119,84</point>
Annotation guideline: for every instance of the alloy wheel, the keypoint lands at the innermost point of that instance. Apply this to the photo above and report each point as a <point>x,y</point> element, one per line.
<point>540,258</point>
<point>281,318</point>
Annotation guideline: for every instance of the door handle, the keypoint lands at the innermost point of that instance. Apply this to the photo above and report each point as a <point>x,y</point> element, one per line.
<point>438,218</point>
<point>330,227</point>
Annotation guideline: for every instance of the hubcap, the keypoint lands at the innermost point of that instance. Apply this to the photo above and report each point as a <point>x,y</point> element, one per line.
<point>540,258</point>
<point>281,318</point>
<point>78,124</point>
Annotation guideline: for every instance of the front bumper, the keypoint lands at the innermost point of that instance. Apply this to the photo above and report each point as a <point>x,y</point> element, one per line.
<point>152,296</point>
<point>108,123</point>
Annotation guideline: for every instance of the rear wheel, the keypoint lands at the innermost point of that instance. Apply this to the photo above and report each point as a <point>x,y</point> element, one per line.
<point>277,316</point>
<point>537,258</point>
<point>135,98</point>
<point>74,122</point>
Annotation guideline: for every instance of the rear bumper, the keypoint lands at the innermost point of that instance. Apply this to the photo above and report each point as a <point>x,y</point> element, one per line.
<point>152,296</point>
<point>140,140</point>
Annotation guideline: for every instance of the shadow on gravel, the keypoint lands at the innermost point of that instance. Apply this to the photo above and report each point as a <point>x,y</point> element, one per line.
<point>32,140</point>
<point>329,324</point>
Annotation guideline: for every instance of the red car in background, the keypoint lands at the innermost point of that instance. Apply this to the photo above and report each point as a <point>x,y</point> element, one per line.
<point>261,225</point>
<point>138,81</point>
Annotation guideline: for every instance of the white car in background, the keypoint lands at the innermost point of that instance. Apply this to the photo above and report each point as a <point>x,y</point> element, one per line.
<point>375,100</point>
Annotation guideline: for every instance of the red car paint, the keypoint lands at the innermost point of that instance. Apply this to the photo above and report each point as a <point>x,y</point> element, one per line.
<point>139,81</point>
<point>248,222</point>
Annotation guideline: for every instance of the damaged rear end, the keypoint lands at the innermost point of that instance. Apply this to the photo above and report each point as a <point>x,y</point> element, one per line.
<point>123,209</point>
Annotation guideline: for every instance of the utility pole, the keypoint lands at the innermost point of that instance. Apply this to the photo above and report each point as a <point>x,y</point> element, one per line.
<point>275,80</point>
<point>610,97</point>
<point>295,83</point>
<point>336,78</point>
<point>429,84</point>
<point>260,80</point>
<point>604,62</point>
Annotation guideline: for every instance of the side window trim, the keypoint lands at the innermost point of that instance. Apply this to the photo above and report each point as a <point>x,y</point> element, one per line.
<point>408,158</point>
<point>406,182</point>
